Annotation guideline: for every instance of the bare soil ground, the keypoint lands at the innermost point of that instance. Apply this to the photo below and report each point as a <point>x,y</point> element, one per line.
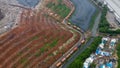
<point>22,46</point>
<point>36,42</point>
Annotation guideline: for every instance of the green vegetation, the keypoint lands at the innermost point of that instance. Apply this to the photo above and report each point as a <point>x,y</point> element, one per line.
<point>78,62</point>
<point>118,54</point>
<point>93,19</point>
<point>104,26</point>
<point>59,8</point>
<point>46,47</point>
<point>23,60</point>
<point>93,65</point>
<point>34,38</point>
<point>46,15</point>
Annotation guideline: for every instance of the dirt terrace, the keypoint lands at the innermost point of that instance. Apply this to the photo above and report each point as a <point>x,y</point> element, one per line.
<point>34,43</point>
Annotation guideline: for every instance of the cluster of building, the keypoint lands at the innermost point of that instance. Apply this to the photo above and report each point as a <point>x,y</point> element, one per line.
<point>104,54</point>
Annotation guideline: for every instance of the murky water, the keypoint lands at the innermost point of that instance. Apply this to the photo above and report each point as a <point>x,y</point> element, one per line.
<point>82,15</point>
<point>29,3</point>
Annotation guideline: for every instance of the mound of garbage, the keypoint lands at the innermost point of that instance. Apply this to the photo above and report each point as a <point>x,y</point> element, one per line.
<point>1,15</point>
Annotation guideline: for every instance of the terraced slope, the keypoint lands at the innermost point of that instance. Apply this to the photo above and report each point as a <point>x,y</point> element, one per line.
<point>36,43</point>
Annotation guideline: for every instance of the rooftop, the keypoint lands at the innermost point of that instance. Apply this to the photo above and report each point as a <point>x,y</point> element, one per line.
<point>115,5</point>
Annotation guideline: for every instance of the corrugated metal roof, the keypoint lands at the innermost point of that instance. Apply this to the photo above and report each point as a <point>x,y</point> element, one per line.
<point>115,5</point>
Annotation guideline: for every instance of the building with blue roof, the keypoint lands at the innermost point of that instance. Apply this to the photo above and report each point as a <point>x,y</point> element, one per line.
<point>102,66</point>
<point>109,65</point>
<point>112,43</point>
<point>104,40</point>
<point>98,51</point>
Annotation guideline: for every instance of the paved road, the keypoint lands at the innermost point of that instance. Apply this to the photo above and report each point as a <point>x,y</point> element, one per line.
<point>95,27</point>
<point>77,53</point>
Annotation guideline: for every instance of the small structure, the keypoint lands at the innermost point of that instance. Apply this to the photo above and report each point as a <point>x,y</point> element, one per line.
<point>112,43</point>
<point>87,62</point>
<point>98,51</point>
<point>104,40</point>
<point>103,53</point>
<point>109,65</point>
<point>101,45</point>
<point>102,66</point>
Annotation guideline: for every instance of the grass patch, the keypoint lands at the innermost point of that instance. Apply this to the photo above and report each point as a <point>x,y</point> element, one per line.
<point>46,47</point>
<point>21,52</point>
<point>118,54</point>
<point>34,38</point>
<point>23,60</point>
<point>78,62</point>
<point>59,8</point>
<point>92,65</point>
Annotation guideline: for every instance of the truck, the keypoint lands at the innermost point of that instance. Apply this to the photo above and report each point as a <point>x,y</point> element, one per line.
<point>63,59</point>
<point>83,41</point>
<point>58,64</point>
<point>75,49</point>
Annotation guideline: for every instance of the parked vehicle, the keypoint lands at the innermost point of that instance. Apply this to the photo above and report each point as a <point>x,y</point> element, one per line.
<point>63,59</point>
<point>83,41</point>
<point>58,64</point>
<point>75,49</point>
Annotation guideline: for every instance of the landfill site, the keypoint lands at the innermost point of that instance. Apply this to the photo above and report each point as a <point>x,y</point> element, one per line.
<point>10,11</point>
<point>105,54</point>
<point>10,14</point>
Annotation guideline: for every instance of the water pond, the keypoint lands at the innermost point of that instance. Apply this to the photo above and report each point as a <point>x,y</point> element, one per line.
<point>29,3</point>
<point>83,13</point>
